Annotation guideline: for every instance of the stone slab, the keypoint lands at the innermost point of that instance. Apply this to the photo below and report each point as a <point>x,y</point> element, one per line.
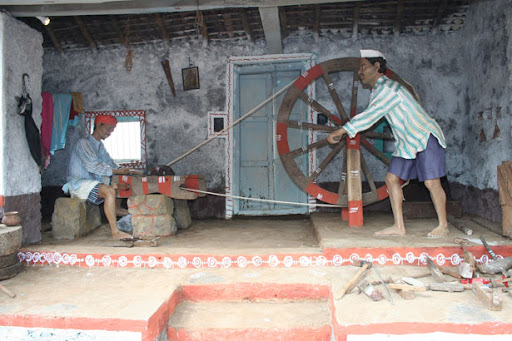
<point>182,214</point>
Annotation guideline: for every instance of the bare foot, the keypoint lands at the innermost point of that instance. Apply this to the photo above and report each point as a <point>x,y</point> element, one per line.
<point>440,231</point>
<point>391,231</point>
<point>120,235</point>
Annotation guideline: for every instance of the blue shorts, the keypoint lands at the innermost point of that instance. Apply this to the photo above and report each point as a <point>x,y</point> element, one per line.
<point>93,196</point>
<point>429,163</point>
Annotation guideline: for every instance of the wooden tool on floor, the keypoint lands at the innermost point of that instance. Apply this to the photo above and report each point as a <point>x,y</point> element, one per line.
<point>467,267</point>
<point>492,301</point>
<point>353,282</point>
<point>436,273</point>
<point>7,291</point>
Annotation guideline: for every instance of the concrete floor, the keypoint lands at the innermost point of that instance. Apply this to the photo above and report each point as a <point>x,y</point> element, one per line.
<point>92,291</point>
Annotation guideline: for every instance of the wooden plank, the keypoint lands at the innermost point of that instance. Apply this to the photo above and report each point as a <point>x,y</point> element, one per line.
<point>398,286</point>
<point>316,23</point>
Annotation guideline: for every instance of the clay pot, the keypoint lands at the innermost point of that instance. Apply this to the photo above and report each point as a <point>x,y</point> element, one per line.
<point>11,218</point>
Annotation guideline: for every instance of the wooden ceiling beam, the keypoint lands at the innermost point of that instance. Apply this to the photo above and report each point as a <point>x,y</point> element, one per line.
<point>86,34</point>
<point>202,27</point>
<point>247,27</point>
<point>355,21</point>
<point>272,28</point>
<point>437,20</point>
<point>160,24</point>
<point>399,14</point>
<point>31,8</point>
<point>54,40</point>
<point>316,24</point>
<point>283,22</point>
<point>120,35</point>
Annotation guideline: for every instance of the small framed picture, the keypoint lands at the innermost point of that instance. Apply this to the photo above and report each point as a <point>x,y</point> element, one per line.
<point>190,78</point>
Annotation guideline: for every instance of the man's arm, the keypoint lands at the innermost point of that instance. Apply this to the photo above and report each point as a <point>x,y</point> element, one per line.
<point>91,160</point>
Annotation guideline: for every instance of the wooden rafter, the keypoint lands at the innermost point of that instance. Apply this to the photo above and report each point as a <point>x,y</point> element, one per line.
<point>85,33</point>
<point>355,21</point>
<point>120,35</point>
<point>247,28</point>
<point>398,20</point>
<point>284,25</point>
<point>54,40</point>
<point>160,24</point>
<point>316,24</point>
<point>202,27</point>
<point>442,9</point>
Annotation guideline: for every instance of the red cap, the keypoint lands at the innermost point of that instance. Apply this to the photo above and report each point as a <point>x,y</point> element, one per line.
<point>106,119</point>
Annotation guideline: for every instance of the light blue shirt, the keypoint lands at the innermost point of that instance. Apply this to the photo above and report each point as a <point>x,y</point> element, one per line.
<point>409,122</point>
<point>89,161</point>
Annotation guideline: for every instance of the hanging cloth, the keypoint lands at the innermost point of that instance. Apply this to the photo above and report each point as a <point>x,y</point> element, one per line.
<point>31,131</point>
<point>46,124</point>
<point>77,107</point>
<point>61,109</point>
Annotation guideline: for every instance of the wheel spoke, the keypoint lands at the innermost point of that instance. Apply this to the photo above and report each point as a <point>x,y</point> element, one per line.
<point>326,161</point>
<point>368,176</point>
<point>320,108</point>
<point>304,150</point>
<point>375,135</point>
<point>335,97</point>
<point>312,126</point>
<point>377,153</point>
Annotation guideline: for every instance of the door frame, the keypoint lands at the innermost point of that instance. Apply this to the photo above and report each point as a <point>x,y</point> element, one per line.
<point>309,59</point>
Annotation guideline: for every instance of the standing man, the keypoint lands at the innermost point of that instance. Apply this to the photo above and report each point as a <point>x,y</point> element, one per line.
<point>90,168</point>
<point>419,142</point>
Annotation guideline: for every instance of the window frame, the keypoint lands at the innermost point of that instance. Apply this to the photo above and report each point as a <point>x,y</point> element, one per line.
<point>141,115</point>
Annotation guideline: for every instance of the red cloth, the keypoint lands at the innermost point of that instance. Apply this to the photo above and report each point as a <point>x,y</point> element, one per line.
<point>106,119</point>
<point>47,123</point>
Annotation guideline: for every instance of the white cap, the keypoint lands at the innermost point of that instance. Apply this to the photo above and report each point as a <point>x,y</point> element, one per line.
<point>371,54</point>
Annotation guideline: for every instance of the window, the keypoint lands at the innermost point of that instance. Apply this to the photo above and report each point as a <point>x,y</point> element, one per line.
<point>127,144</point>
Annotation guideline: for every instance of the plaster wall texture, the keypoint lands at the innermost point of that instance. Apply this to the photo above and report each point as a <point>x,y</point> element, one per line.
<point>487,89</point>
<point>22,52</point>
<point>433,63</point>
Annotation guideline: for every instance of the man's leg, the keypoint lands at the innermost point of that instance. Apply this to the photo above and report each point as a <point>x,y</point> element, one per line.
<point>439,199</point>
<point>396,198</point>
<point>109,194</point>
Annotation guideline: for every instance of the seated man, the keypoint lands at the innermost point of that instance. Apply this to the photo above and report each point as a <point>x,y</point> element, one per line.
<point>90,168</point>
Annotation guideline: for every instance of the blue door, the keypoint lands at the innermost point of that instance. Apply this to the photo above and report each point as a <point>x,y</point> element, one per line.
<point>258,172</point>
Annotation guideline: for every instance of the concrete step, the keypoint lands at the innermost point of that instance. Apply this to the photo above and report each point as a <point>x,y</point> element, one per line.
<point>278,320</point>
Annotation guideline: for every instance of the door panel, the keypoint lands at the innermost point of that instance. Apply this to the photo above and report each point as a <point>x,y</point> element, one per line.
<point>258,172</point>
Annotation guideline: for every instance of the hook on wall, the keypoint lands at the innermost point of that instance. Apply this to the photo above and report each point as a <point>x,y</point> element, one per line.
<point>24,86</point>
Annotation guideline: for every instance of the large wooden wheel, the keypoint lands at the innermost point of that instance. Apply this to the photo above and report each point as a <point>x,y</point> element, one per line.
<point>326,72</point>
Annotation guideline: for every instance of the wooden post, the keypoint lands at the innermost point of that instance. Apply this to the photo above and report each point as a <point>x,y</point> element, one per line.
<point>355,188</point>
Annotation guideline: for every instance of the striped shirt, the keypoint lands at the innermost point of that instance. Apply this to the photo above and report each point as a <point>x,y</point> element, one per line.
<point>89,161</point>
<point>409,122</point>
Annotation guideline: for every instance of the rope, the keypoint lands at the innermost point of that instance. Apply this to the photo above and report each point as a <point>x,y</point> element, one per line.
<point>256,199</point>
<point>258,107</point>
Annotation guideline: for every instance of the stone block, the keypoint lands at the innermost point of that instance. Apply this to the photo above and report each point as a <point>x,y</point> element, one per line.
<point>152,215</point>
<point>152,204</point>
<point>73,218</point>
<point>10,239</point>
<point>182,214</point>
<point>153,225</point>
